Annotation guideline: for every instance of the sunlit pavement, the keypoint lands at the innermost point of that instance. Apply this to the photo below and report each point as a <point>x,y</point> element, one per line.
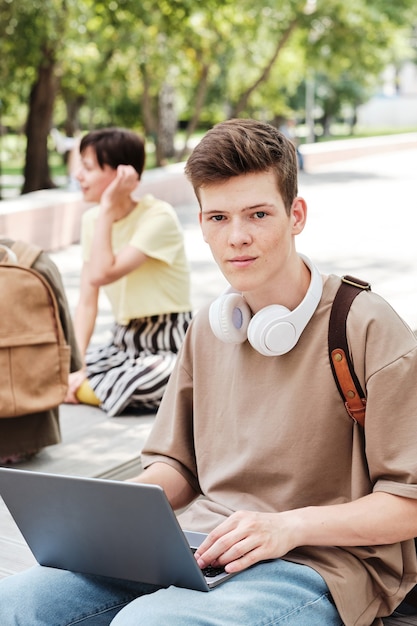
<point>363,221</point>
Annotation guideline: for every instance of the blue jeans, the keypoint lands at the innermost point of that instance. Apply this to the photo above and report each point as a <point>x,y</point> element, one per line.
<point>274,592</point>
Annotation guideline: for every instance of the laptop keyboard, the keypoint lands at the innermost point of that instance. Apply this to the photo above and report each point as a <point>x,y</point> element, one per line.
<point>210,571</point>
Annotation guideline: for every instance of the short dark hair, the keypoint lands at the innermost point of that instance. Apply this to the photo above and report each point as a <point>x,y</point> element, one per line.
<point>116,146</point>
<point>243,146</point>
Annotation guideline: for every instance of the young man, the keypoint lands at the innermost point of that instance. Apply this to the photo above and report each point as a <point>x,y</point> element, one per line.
<point>315,515</point>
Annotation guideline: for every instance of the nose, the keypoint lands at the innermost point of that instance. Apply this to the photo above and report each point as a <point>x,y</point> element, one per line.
<point>78,172</point>
<point>239,234</point>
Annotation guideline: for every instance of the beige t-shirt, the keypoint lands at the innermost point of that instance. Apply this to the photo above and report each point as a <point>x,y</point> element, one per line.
<point>272,434</point>
<point>162,283</point>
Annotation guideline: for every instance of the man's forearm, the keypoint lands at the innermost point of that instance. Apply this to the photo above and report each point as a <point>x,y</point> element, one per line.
<point>377,519</point>
<point>247,537</point>
<point>177,489</point>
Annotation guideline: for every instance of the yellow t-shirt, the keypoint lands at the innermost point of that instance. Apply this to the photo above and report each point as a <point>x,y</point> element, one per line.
<point>162,284</point>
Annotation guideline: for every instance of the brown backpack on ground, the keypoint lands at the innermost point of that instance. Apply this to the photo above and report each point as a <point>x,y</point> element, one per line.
<point>34,356</point>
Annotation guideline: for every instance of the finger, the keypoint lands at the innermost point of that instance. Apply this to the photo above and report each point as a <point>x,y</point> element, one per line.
<point>70,398</point>
<point>225,537</point>
<point>212,538</point>
<point>127,171</point>
<point>219,551</point>
<point>243,562</point>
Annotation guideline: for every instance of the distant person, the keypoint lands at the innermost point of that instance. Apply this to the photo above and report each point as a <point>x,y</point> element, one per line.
<point>69,148</point>
<point>22,437</point>
<point>287,127</point>
<point>133,247</point>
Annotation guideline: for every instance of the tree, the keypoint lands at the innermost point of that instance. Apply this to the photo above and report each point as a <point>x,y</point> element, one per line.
<point>145,65</point>
<point>32,31</point>
<point>347,46</point>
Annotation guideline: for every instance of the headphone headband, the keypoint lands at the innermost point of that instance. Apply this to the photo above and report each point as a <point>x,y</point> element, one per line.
<point>274,330</point>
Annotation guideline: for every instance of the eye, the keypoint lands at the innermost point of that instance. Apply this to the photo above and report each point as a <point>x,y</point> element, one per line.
<point>217,218</point>
<point>260,214</point>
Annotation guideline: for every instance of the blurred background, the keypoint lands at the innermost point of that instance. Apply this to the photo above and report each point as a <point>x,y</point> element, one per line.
<point>327,69</point>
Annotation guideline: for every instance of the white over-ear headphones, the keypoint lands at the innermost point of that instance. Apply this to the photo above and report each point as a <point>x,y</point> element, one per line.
<point>274,330</point>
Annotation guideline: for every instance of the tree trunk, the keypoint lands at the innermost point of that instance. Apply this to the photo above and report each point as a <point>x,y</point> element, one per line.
<point>199,100</point>
<point>327,122</point>
<point>149,120</point>
<point>38,125</point>
<point>167,124</point>
<point>73,106</point>
<point>148,115</point>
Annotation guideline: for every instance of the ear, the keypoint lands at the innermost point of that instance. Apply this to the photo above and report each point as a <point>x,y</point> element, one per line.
<point>298,215</point>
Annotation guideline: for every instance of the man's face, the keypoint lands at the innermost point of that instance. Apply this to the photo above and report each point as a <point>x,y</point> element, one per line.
<point>92,178</point>
<point>250,235</point>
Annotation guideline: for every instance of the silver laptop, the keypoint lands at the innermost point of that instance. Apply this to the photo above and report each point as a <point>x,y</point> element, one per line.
<point>104,527</point>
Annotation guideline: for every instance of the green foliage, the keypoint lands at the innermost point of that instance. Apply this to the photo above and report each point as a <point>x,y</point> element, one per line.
<point>114,56</point>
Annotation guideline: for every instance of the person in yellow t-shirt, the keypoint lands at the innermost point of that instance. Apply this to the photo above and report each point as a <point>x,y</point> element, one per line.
<point>133,249</point>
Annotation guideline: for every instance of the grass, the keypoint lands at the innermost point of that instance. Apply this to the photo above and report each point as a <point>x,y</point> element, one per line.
<point>12,157</point>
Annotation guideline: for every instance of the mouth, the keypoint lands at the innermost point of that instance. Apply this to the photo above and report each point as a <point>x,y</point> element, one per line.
<point>242,261</point>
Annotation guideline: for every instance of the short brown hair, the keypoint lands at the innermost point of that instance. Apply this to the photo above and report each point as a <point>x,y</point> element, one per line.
<point>116,146</point>
<point>243,146</point>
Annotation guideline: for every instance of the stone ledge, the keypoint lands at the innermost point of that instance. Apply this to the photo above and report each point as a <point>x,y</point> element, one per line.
<point>317,154</point>
<point>51,218</point>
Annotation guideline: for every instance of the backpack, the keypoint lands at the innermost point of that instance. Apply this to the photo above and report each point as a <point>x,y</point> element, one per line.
<point>346,380</point>
<point>34,355</point>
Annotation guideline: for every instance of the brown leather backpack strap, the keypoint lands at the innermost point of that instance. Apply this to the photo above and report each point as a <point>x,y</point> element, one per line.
<point>344,374</point>
<point>6,254</point>
<point>27,253</point>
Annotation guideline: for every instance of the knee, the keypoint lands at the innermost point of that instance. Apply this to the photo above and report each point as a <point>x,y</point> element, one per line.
<point>24,595</point>
<point>158,607</point>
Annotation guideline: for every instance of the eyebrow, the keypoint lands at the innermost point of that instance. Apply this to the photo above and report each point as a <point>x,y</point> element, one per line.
<point>261,205</point>
<point>87,160</point>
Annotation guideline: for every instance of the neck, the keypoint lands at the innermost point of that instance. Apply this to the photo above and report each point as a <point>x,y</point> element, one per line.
<point>124,207</point>
<point>288,291</point>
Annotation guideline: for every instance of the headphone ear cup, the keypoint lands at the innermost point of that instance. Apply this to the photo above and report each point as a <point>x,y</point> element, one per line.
<point>270,333</point>
<point>229,317</point>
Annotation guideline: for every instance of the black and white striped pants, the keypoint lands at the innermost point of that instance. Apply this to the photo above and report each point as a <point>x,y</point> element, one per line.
<point>133,369</point>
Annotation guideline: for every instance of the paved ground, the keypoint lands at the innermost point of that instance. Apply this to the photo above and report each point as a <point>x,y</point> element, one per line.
<point>362,221</point>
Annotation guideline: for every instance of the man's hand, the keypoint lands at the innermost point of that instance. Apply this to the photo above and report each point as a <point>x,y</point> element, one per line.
<point>244,539</point>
